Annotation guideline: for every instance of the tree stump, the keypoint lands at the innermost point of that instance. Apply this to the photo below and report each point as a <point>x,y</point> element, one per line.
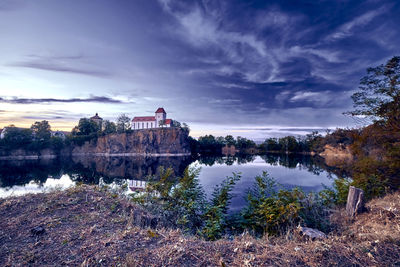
<point>355,201</point>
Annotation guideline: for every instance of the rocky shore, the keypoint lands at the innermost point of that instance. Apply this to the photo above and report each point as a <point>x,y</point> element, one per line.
<point>92,226</point>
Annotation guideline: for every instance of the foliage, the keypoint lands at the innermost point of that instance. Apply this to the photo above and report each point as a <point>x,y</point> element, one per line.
<point>188,201</point>
<point>41,130</point>
<point>16,137</point>
<point>57,143</point>
<point>272,211</point>
<point>109,127</point>
<point>376,148</point>
<point>379,94</point>
<point>123,123</point>
<point>243,144</point>
<point>272,144</point>
<point>185,127</point>
<point>216,212</point>
<point>268,211</point>
<point>230,140</point>
<point>208,144</point>
<point>181,202</point>
<point>85,127</point>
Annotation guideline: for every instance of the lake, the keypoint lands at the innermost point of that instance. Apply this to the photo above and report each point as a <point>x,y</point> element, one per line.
<point>32,176</point>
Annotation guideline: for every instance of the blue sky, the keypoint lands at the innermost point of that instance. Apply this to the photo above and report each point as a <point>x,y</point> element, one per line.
<point>249,68</point>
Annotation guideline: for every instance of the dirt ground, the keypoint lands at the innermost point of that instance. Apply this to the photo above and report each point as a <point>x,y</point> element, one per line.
<point>90,226</point>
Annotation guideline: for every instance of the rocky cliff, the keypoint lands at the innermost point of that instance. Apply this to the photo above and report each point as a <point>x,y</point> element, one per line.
<point>147,142</point>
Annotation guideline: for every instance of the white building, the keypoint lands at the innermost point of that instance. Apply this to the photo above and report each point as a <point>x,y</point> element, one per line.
<point>157,121</point>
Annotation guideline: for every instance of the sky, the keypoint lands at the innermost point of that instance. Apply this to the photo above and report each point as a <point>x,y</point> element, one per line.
<point>250,68</point>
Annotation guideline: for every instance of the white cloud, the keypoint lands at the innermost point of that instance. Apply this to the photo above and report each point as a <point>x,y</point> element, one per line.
<point>328,55</point>
<point>244,52</point>
<point>348,28</point>
<point>310,96</point>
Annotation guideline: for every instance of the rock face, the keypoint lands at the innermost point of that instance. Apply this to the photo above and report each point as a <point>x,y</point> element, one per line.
<point>147,142</point>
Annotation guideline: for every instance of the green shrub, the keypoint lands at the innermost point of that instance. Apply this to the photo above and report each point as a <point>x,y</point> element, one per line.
<point>217,210</point>
<point>181,202</point>
<point>272,211</point>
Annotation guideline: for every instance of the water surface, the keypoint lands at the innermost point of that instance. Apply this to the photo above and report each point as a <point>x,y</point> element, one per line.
<point>32,176</point>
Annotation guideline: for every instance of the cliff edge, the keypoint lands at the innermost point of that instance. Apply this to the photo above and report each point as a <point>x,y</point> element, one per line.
<point>146,142</point>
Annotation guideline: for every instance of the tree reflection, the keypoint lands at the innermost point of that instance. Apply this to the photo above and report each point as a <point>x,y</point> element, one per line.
<point>88,170</point>
<point>93,170</point>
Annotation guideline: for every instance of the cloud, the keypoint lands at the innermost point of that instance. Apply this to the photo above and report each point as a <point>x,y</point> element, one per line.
<point>60,68</point>
<point>307,96</point>
<point>347,29</point>
<point>97,99</point>
<point>43,117</point>
<point>328,55</point>
<point>69,64</point>
<point>238,50</point>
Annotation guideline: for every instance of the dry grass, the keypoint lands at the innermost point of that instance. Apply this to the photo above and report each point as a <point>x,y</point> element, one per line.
<point>90,227</point>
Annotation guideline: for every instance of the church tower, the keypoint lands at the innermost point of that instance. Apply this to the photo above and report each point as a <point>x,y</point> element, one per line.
<point>161,115</point>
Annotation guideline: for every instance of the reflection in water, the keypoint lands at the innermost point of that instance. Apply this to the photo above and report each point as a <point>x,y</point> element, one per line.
<point>288,170</point>
<point>137,185</point>
<point>134,171</point>
<point>118,169</point>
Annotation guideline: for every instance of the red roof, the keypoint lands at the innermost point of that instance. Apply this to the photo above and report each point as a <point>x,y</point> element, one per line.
<point>168,121</point>
<point>148,118</point>
<point>161,110</point>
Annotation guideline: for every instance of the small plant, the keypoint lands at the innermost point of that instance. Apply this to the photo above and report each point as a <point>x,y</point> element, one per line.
<point>217,210</point>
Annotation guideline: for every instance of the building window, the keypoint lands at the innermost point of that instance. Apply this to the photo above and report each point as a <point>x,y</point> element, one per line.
<point>147,125</point>
<point>142,125</point>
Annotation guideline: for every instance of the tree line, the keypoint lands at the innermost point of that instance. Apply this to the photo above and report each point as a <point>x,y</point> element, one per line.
<point>35,138</point>
<point>210,144</point>
<point>39,135</point>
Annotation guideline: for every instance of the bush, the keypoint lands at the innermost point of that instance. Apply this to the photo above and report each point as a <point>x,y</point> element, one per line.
<point>273,212</point>
<point>217,210</point>
<point>181,202</point>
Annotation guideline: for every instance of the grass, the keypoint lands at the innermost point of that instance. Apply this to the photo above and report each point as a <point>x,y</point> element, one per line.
<point>84,226</point>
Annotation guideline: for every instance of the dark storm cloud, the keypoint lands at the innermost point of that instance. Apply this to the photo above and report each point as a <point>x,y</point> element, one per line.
<point>94,99</point>
<point>239,63</point>
<point>294,59</point>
